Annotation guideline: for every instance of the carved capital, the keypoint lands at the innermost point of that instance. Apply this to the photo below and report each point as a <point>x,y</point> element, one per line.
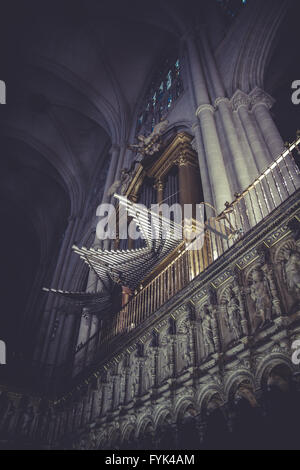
<point>240,99</point>
<point>182,160</point>
<point>220,100</point>
<point>204,107</point>
<point>159,185</point>
<point>259,97</point>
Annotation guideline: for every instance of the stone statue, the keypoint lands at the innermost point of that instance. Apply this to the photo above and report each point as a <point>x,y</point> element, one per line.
<point>261,296</point>
<point>184,353</point>
<point>122,184</point>
<point>151,144</point>
<point>135,379</point>
<point>147,374</point>
<point>164,363</point>
<point>207,329</point>
<point>291,271</point>
<point>147,146</point>
<point>233,319</point>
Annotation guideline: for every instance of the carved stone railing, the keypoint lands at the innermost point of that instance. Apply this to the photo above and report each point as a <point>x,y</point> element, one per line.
<point>227,334</point>
<point>274,186</point>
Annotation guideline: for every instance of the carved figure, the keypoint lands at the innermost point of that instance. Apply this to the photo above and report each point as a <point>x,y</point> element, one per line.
<point>291,271</point>
<point>261,296</point>
<point>233,319</point>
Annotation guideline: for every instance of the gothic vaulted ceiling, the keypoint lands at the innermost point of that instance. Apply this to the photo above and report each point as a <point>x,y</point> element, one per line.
<point>74,71</point>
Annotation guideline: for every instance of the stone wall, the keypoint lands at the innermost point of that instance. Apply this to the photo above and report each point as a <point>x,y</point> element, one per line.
<point>219,346</point>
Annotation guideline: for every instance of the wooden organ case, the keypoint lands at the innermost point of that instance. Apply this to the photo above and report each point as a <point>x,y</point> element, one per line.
<point>170,176</point>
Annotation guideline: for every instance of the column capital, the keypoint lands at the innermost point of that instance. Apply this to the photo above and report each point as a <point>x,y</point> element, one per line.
<point>219,100</point>
<point>259,96</point>
<point>184,159</point>
<point>239,99</point>
<point>204,107</point>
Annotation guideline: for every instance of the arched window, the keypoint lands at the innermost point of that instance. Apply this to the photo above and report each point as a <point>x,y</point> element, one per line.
<point>164,90</point>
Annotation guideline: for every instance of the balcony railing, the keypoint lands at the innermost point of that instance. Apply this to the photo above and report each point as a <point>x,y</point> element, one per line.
<point>280,180</point>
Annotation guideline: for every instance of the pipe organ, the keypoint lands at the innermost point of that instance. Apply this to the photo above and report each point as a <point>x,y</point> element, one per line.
<point>171,177</point>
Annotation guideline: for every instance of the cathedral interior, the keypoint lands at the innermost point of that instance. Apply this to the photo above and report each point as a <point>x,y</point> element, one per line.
<point>124,343</point>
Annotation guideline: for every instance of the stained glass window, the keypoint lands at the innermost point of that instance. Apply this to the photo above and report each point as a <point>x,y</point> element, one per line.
<point>169,80</point>
<point>164,90</point>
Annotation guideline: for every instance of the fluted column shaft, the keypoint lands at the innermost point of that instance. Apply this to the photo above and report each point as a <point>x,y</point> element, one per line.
<point>222,105</point>
<point>261,104</point>
<point>214,157</point>
<point>218,180</point>
<point>241,103</point>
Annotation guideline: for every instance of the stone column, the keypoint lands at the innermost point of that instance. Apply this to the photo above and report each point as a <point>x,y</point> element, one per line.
<point>222,104</point>
<point>239,291</point>
<point>127,396</point>
<point>261,104</point>
<point>215,161</point>
<point>96,400</point>
<point>218,179</point>
<point>174,356</point>
<point>241,165</point>
<point>46,351</point>
<point>207,192</point>
<point>156,366</point>
<point>240,103</point>
<point>115,153</point>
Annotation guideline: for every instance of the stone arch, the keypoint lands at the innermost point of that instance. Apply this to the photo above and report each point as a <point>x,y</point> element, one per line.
<point>163,415</point>
<point>208,393</point>
<point>102,441</point>
<point>280,400</point>
<point>256,47</point>
<point>234,380</point>
<point>186,414</point>
<point>70,184</point>
<point>165,436</point>
<point>213,416</point>
<point>142,425</point>
<point>183,406</point>
<point>267,364</point>
<point>145,432</point>
<point>114,437</point>
<point>108,115</point>
<point>127,432</point>
<point>282,248</point>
